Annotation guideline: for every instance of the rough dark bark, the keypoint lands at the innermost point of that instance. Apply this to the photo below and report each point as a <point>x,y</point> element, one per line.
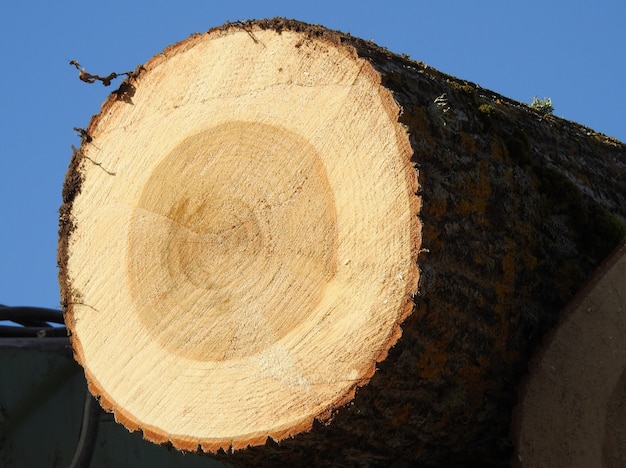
<point>518,208</point>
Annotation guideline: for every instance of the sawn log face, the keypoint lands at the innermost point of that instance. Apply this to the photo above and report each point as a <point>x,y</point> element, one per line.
<point>518,208</point>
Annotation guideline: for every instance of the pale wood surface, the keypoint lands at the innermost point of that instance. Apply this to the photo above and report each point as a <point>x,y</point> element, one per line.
<point>572,409</point>
<point>244,240</point>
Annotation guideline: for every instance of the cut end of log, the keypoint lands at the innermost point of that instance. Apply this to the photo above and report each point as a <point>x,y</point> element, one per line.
<point>239,237</point>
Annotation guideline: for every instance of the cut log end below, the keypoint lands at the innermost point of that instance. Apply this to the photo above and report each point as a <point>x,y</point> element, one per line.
<point>249,253</point>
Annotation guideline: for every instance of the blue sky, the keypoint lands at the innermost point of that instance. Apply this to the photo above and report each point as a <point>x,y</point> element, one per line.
<point>571,51</point>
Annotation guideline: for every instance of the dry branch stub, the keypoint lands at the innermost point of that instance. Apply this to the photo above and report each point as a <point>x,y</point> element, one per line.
<point>239,238</point>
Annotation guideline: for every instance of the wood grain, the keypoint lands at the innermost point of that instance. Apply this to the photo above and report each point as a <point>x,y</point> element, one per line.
<point>250,251</point>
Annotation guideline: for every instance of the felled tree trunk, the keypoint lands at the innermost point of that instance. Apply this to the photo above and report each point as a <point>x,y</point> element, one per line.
<point>241,241</point>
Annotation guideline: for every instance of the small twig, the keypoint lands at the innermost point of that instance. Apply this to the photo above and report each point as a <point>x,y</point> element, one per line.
<point>84,136</point>
<point>83,304</point>
<point>99,165</point>
<point>247,29</point>
<point>106,80</point>
<point>82,154</point>
<point>135,73</point>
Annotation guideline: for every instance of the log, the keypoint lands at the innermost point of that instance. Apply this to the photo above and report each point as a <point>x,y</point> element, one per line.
<point>572,405</point>
<point>244,227</point>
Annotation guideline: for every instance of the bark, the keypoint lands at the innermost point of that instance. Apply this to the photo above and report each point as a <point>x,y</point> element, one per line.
<point>517,208</point>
